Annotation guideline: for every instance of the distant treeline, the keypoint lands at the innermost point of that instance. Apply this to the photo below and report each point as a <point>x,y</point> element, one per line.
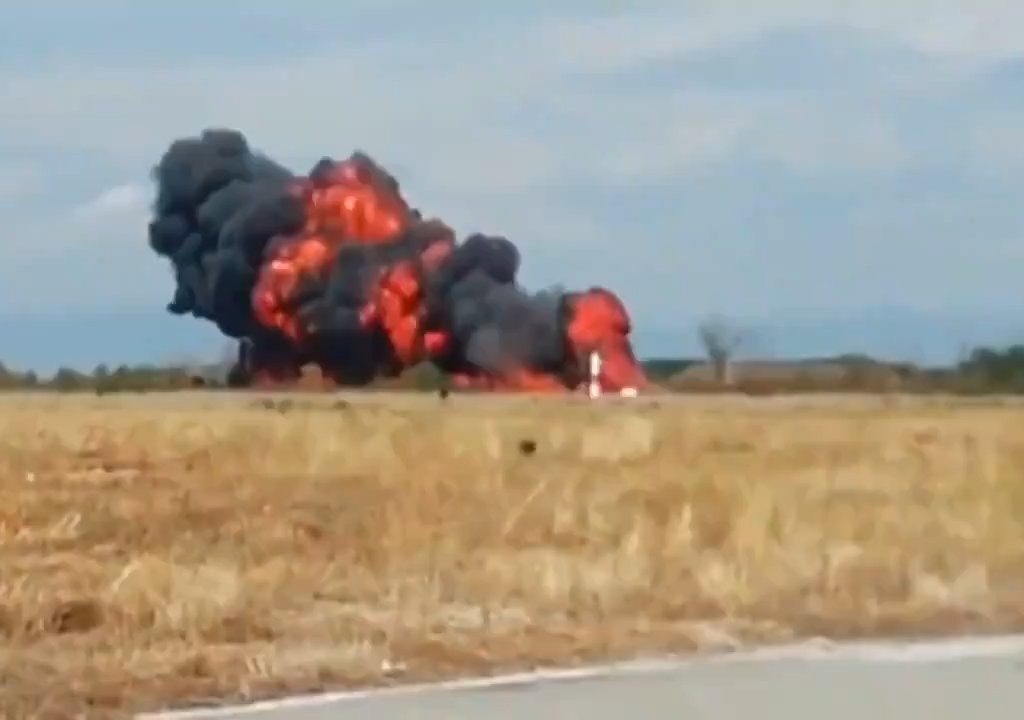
<point>983,371</point>
<point>124,378</point>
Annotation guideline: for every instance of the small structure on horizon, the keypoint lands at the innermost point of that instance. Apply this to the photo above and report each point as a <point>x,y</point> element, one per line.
<point>594,389</point>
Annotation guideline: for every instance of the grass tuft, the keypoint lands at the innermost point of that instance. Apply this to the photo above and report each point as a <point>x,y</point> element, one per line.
<point>199,548</point>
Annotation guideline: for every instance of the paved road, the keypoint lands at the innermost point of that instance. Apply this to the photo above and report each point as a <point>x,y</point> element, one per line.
<point>983,679</point>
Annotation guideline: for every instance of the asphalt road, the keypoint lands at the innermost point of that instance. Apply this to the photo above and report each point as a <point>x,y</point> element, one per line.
<point>976,679</point>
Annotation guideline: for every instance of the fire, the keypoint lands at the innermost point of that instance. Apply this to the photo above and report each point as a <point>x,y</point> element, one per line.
<point>346,202</point>
<point>515,379</point>
<point>342,273</point>
<point>354,199</point>
<point>281,276</point>
<point>599,323</point>
<point>395,308</point>
<point>397,303</point>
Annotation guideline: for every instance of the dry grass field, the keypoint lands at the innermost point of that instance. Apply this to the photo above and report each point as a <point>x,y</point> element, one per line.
<point>168,550</point>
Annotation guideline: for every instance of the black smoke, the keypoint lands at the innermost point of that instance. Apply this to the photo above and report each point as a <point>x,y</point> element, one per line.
<point>219,210</point>
<point>495,324</point>
<point>217,206</point>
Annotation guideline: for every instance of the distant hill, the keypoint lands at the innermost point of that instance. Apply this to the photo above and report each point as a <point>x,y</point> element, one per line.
<point>930,338</point>
<point>85,339</point>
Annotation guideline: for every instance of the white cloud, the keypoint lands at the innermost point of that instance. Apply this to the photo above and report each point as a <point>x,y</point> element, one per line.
<point>677,140</point>
<point>94,262</point>
<point>809,141</point>
<point>20,180</point>
<point>981,31</point>
<point>996,144</point>
<point>485,133</point>
<point>94,252</point>
<point>126,200</point>
<point>446,110</point>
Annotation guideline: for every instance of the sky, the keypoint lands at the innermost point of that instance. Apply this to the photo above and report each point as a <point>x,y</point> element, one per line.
<point>830,175</point>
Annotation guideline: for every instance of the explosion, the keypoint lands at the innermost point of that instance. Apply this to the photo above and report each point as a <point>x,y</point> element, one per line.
<point>336,270</point>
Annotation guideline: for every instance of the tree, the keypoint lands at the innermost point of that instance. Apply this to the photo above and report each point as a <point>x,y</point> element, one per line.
<point>721,339</point>
<point>998,370</point>
<point>68,380</point>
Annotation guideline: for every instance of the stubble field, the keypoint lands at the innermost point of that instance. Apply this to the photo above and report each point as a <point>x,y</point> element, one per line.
<point>191,548</point>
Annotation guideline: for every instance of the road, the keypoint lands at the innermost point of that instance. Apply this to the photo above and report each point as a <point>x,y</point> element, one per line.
<point>981,678</point>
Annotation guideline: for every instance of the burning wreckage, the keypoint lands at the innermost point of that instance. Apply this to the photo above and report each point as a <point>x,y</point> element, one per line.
<point>335,269</point>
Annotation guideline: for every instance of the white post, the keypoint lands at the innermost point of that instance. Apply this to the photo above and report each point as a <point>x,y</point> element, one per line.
<point>594,389</point>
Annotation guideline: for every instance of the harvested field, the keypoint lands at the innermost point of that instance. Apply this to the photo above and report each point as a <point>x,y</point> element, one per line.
<point>169,550</point>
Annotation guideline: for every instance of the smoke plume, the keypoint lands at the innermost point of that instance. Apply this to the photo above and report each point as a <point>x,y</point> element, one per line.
<point>335,269</point>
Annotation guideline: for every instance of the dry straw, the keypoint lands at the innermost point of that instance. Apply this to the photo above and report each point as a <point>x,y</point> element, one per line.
<point>178,549</point>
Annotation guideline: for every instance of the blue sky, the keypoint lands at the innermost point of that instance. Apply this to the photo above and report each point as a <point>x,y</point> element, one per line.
<point>835,175</point>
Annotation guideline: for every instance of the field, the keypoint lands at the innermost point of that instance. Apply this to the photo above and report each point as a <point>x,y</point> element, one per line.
<point>173,549</point>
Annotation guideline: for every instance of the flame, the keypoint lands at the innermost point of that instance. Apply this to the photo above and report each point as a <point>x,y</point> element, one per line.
<point>395,307</point>
<point>355,202</point>
<point>512,380</point>
<point>396,304</point>
<point>600,323</point>
<point>354,199</point>
<point>347,202</point>
<point>308,377</point>
<point>280,276</point>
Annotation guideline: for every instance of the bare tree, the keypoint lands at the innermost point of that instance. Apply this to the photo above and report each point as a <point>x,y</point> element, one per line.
<point>721,339</point>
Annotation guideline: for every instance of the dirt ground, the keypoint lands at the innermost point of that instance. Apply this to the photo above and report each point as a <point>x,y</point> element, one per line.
<point>167,550</point>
